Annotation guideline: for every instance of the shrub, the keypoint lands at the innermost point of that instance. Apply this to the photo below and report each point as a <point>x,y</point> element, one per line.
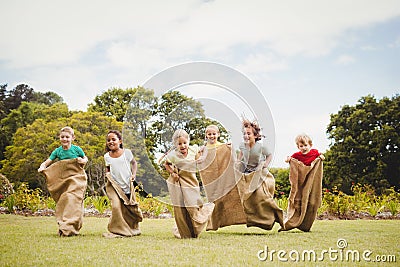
<point>6,188</point>
<point>101,203</point>
<point>27,199</point>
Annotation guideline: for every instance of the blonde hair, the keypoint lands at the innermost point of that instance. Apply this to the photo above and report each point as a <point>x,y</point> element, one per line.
<point>303,139</point>
<point>177,134</point>
<point>212,126</point>
<point>67,129</point>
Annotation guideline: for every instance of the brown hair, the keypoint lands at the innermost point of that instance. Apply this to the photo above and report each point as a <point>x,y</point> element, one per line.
<point>255,128</point>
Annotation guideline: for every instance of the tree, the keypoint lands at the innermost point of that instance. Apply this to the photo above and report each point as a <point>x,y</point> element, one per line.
<point>148,124</point>
<point>365,141</point>
<point>16,112</point>
<point>173,111</point>
<point>27,113</point>
<point>33,144</point>
<point>282,182</point>
<point>48,98</point>
<point>3,98</point>
<point>113,102</point>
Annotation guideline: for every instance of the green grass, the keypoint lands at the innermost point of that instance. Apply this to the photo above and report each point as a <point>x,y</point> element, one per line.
<point>33,241</point>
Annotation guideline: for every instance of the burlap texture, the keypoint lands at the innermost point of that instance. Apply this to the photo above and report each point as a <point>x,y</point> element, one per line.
<point>125,214</point>
<point>256,190</point>
<point>219,181</point>
<point>305,194</point>
<point>190,214</point>
<point>66,182</point>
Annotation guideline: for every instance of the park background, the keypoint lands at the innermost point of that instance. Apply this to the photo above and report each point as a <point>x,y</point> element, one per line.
<point>310,60</point>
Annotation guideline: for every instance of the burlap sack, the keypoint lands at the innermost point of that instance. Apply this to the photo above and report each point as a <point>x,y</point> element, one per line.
<point>125,214</point>
<point>305,194</point>
<point>218,176</point>
<point>256,190</point>
<point>66,182</point>
<point>191,215</point>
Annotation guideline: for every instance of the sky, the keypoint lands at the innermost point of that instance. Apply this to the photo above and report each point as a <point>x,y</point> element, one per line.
<point>307,58</point>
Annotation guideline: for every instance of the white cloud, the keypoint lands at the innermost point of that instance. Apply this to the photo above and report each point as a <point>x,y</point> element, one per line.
<point>62,32</point>
<point>345,60</point>
<point>261,63</point>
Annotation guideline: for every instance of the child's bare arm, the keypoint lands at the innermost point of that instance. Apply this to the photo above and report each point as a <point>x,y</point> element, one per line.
<point>134,169</point>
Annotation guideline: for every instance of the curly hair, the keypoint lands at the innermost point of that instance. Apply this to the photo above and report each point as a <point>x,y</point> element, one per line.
<point>254,127</point>
<point>118,134</point>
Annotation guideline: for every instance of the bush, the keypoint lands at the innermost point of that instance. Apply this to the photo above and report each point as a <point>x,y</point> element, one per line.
<point>24,199</point>
<point>6,188</point>
<point>363,199</point>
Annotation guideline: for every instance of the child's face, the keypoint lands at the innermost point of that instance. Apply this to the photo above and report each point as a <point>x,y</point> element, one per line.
<point>183,145</point>
<point>248,135</point>
<point>212,136</point>
<point>304,148</point>
<point>66,139</point>
<point>113,142</point>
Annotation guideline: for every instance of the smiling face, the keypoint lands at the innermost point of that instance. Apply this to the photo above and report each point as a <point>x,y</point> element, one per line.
<point>304,148</point>
<point>66,139</point>
<point>113,142</point>
<point>212,135</point>
<point>248,136</point>
<point>182,145</point>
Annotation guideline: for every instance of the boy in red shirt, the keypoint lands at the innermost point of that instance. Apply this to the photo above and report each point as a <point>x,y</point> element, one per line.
<point>306,153</point>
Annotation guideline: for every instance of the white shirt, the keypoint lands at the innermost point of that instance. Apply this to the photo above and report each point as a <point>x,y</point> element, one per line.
<point>120,169</point>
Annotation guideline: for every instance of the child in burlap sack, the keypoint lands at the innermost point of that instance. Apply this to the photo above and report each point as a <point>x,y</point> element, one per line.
<point>219,181</point>
<point>306,153</point>
<point>121,170</point>
<point>257,185</point>
<point>66,181</point>
<point>306,173</point>
<point>191,215</point>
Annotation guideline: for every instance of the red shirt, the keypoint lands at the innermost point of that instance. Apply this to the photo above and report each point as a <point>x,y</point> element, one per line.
<point>306,158</point>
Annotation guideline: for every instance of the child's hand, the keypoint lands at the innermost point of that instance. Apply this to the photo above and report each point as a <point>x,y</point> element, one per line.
<point>81,160</point>
<point>322,157</point>
<point>265,171</point>
<point>41,168</point>
<point>175,176</point>
<point>200,160</point>
<point>133,177</point>
<point>288,159</point>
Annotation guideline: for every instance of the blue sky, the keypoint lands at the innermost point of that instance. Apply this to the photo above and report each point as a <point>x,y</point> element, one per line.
<point>308,58</point>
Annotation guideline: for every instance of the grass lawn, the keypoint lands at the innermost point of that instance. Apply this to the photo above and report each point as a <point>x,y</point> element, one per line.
<point>33,241</point>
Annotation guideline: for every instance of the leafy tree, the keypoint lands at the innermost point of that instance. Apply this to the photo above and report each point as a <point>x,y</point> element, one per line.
<point>15,112</point>
<point>48,98</point>
<point>148,124</point>
<point>113,102</point>
<point>33,144</point>
<point>16,96</point>
<point>365,144</point>
<point>282,182</point>
<point>173,111</point>
<point>3,96</point>
<point>26,113</point>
